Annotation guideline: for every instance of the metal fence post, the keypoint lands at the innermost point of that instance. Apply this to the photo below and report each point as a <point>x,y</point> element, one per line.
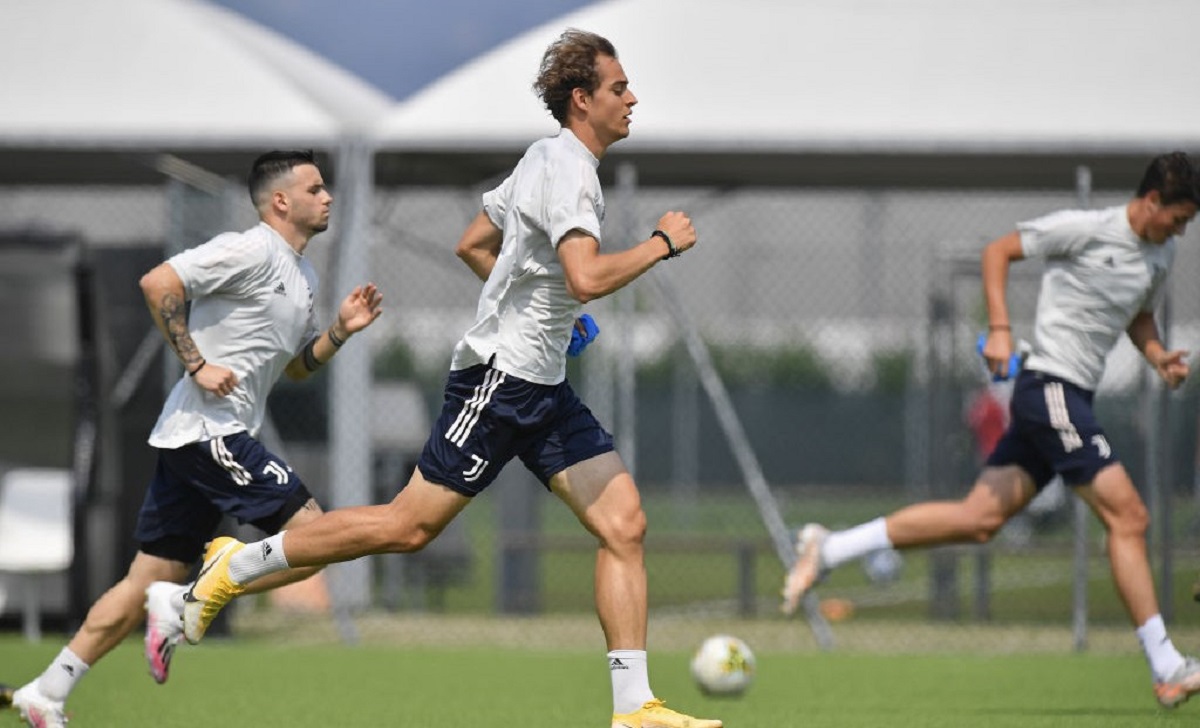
<point>626,363</point>
<point>350,375</point>
<point>1079,581</point>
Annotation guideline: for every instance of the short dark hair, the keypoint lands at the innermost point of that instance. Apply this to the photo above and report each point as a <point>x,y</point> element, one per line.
<point>1174,176</point>
<point>273,165</point>
<point>570,63</point>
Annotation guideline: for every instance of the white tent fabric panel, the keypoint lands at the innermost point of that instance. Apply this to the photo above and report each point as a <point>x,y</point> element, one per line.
<point>857,75</point>
<point>128,73</point>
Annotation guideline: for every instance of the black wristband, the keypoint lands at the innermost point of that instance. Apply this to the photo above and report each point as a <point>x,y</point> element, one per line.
<point>333,339</point>
<point>311,363</point>
<point>672,251</point>
<point>196,371</point>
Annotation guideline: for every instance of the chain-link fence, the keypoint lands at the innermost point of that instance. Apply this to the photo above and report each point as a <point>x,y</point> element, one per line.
<point>840,324</point>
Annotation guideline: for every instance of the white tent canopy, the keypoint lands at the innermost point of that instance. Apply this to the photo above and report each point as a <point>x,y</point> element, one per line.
<point>850,76</point>
<point>116,92</point>
<point>133,74</point>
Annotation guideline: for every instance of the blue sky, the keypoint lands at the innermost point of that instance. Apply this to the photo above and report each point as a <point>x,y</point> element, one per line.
<point>401,45</point>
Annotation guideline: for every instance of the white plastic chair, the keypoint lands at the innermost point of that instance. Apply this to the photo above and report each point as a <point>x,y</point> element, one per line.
<point>36,537</point>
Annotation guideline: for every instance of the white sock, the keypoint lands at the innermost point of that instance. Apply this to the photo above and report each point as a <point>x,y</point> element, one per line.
<point>258,559</point>
<point>854,543</point>
<point>1160,652</point>
<point>177,598</point>
<point>57,682</point>
<point>630,680</point>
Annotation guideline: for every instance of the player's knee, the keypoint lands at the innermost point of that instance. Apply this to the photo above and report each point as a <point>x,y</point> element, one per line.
<point>625,530</point>
<point>984,525</point>
<point>406,539</point>
<point>1131,520</point>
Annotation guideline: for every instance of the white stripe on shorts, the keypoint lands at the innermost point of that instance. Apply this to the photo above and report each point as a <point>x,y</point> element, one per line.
<point>469,416</point>
<point>1060,418</point>
<point>224,458</point>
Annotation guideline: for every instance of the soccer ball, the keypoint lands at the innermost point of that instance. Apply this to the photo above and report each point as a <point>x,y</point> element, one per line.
<point>723,665</point>
<point>883,566</point>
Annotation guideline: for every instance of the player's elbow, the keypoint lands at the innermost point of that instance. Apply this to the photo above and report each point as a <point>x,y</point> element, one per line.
<point>160,281</point>
<point>583,289</point>
<point>464,250</point>
<point>582,296</point>
<point>150,283</point>
<point>296,371</point>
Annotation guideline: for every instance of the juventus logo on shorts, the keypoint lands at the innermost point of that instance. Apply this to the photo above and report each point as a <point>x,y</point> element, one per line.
<point>274,468</point>
<point>473,474</point>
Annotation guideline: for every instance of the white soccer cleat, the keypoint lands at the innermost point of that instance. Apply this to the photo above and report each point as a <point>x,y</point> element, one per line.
<point>807,570</point>
<point>37,710</point>
<point>1181,685</point>
<point>164,626</point>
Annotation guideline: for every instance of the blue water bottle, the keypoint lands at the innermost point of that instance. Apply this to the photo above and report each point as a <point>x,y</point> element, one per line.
<point>1015,361</point>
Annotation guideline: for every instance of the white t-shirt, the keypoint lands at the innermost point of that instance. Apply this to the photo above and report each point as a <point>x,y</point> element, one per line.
<point>252,312</point>
<point>1099,276</point>
<point>525,314</point>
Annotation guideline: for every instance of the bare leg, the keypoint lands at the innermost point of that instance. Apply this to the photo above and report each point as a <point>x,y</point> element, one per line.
<point>309,513</point>
<point>415,517</point>
<point>602,494</point>
<point>998,494</point>
<point>1114,499</point>
<point>121,609</point>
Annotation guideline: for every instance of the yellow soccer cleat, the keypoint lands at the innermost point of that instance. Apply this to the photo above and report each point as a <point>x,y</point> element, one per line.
<point>212,590</point>
<point>655,714</point>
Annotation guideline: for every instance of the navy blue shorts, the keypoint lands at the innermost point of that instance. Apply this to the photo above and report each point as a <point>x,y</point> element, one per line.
<point>193,486</point>
<point>1052,430</point>
<point>489,417</point>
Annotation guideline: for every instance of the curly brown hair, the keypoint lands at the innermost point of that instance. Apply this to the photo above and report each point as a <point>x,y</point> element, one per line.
<point>570,63</point>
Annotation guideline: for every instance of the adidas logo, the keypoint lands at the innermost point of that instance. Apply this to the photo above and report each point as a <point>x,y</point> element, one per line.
<point>266,550</point>
<point>616,664</point>
<point>70,669</point>
<point>280,289</point>
<point>1111,263</point>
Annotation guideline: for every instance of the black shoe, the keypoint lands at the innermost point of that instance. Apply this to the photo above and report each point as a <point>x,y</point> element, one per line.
<point>5,696</point>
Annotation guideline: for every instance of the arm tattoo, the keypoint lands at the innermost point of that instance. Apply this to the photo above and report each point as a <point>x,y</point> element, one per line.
<point>174,317</point>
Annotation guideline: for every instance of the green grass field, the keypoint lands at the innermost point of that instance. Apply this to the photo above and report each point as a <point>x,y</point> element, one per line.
<point>466,667</point>
<point>250,683</point>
